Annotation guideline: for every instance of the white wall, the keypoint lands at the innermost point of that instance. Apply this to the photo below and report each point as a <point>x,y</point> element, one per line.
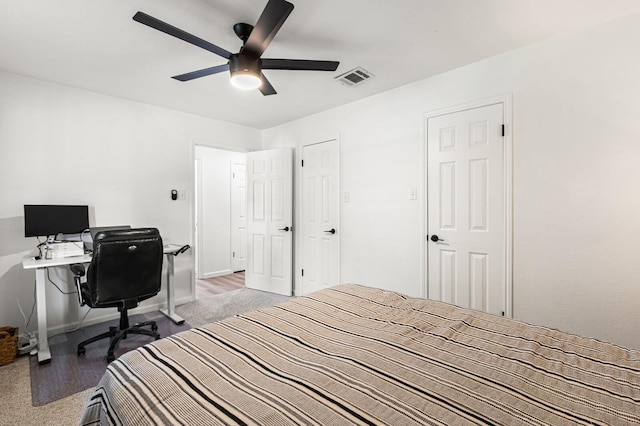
<point>214,201</point>
<point>576,103</point>
<point>60,145</point>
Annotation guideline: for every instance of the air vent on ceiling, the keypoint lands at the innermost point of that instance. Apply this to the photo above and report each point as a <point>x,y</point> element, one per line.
<point>355,77</point>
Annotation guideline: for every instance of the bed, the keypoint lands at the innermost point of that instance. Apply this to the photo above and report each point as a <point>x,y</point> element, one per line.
<point>357,355</point>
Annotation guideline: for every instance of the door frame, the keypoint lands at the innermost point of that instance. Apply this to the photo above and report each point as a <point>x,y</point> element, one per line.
<point>297,210</point>
<point>234,232</point>
<point>506,100</point>
<point>205,143</point>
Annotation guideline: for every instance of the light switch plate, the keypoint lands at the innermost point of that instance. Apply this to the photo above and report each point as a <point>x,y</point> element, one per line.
<point>413,194</point>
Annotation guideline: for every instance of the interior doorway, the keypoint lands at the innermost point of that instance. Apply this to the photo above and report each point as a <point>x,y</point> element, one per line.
<point>220,220</point>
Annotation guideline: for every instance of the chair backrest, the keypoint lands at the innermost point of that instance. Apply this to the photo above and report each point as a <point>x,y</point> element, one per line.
<point>125,269</point>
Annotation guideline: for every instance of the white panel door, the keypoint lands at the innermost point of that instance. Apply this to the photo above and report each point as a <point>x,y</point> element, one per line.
<point>238,216</point>
<point>269,221</point>
<point>466,209</point>
<point>320,216</point>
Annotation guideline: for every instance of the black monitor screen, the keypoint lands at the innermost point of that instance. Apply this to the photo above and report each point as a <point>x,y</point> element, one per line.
<point>46,220</point>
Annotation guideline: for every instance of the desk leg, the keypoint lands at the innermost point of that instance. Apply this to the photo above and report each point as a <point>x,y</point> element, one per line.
<point>171,303</point>
<point>44,354</point>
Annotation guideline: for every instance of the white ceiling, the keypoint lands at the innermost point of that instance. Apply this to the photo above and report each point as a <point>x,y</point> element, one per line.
<point>95,45</point>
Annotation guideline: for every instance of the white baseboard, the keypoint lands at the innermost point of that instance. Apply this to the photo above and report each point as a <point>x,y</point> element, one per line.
<point>215,274</point>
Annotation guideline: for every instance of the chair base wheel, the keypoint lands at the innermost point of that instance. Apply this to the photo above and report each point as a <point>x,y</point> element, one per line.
<point>115,335</point>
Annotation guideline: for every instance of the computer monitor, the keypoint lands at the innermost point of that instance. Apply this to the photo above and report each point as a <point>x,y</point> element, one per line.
<point>51,220</point>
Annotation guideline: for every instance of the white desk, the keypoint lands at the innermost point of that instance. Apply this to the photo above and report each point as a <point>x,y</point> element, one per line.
<point>40,265</point>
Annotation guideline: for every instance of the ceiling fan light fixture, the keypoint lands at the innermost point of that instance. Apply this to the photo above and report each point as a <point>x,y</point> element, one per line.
<point>246,81</point>
<point>245,72</point>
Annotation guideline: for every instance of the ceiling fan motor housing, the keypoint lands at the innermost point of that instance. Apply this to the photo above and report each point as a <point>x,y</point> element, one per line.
<point>246,71</point>
<point>244,64</point>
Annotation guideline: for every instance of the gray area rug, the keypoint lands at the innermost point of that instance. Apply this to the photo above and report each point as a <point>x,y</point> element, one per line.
<point>68,373</point>
<point>225,305</point>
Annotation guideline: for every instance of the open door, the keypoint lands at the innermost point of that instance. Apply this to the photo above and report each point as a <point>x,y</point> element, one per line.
<point>269,221</point>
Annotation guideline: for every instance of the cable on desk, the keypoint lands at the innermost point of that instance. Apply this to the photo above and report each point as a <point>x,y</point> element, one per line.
<point>25,337</point>
<point>33,307</point>
<point>56,285</point>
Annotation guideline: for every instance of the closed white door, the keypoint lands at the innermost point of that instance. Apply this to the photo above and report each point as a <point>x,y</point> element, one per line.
<point>269,221</point>
<point>466,209</point>
<point>320,216</point>
<point>238,216</point>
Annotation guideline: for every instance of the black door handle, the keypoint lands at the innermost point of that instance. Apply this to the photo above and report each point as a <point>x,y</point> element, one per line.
<point>435,238</point>
<point>286,229</point>
<point>332,231</point>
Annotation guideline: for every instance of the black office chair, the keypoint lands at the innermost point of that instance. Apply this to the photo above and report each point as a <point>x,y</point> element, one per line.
<point>125,269</point>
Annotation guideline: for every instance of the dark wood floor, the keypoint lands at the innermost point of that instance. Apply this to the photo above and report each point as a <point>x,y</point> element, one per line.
<point>220,284</point>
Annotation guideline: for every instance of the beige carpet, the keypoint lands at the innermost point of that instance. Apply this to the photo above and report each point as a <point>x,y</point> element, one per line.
<point>220,306</point>
<point>15,400</point>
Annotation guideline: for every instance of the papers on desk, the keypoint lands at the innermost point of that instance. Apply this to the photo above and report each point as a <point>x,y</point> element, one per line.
<point>62,250</point>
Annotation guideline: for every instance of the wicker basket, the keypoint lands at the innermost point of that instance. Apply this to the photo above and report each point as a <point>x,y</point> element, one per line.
<point>8,344</point>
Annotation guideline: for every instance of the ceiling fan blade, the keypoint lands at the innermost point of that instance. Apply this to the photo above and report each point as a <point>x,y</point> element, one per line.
<point>299,64</point>
<point>159,25</point>
<point>202,73</point>
<point>266,88</point>
<point>272,18</point>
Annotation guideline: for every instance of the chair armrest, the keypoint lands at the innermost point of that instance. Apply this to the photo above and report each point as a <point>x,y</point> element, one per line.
<point>77,269</point>
<point>78,272</point>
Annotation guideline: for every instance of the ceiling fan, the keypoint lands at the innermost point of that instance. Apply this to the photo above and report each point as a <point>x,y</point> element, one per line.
<point>245,66</point>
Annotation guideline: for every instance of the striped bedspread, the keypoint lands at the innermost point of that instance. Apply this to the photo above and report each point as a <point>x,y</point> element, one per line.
<point>357,355</point>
